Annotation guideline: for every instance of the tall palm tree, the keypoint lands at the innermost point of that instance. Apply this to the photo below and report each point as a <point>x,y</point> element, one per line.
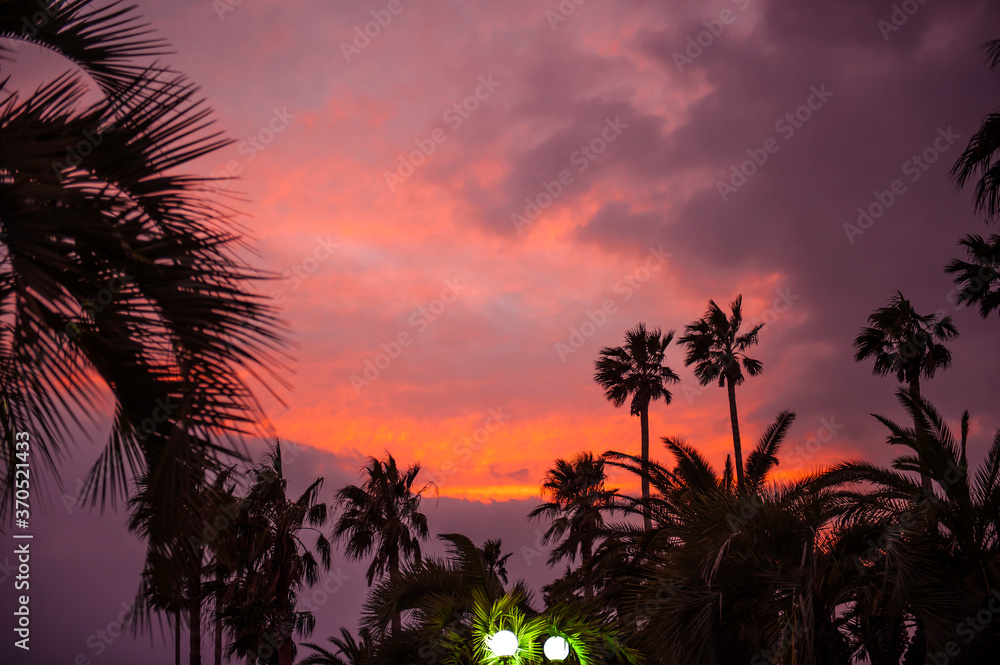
<point>978,278</point>
<point>382,517</point>
<point>222,510</point>
<point>172,577</point>
<point>981,157</point>
<point>577,500</point>
<point>159,592</point>
<point>276,563</point>
<point>115,271</point>
<point>718,351</point>
<point>636,370</point>
<point>906,344</point>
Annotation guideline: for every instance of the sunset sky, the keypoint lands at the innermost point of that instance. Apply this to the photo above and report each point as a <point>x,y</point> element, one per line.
<point>467,205</point>
<point>648,207</point>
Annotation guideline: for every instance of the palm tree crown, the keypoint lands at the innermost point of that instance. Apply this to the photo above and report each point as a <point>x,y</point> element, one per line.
<point>978,278</point>
<point>114,268</point>
<point>982,156</point>
<point>382,516</point>
<point>905,343</point>
<point>636,370</point>
<point>577,501</point>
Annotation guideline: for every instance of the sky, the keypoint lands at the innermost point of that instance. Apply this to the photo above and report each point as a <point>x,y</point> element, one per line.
<point>466,201</point>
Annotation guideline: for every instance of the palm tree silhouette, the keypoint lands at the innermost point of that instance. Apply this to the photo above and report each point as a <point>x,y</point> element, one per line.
<point>382,516</point>
<point>636,370</point>
<point>905,344</point>
<point>349,650</point>
<point>457,602</point>
<point>172,577</point>
<point>159,591</point>
<point>729,573</point>
<point>978,279</point>
<point>950,531</point>
<point>114,269</point>
<point>577,499</point>
<point>496,561</point>
<point>982,156</point>
<point>276,563</point>
<point>718,352</point>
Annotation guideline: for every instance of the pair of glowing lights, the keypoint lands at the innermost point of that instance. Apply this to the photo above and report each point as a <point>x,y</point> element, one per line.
<point>503,644</point>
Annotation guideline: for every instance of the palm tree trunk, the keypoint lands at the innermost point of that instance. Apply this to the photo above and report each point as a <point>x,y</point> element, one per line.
<point>397,620</point>
<point>586,550</point>
<point>644,423</point>
<point>177,635</point>
<point>194,608</point>
<point>218,616</point>
<point>925,481</point>
<point>737,448</point>
<point>285,649</point>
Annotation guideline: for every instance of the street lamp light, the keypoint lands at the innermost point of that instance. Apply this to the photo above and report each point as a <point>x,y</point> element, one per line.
<point>503,644</point>
<point>556,648</point>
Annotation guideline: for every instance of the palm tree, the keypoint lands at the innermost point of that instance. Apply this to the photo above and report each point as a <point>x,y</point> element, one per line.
<point>982,156</point>
<point>718,352</point>
<point>159,592</point>
<point>729,573</point>
<point>382,517</point>
<point>906,344</point>
<point>114,269</point>
<point>978,279</point>
<point>496,561</point>
<point>350,651</point>
<point>943,569</point>
<point>456,603</point>
<point>276,563</point>
<point>172,577</point>
<point>636,370</point>
<point>577,499</point>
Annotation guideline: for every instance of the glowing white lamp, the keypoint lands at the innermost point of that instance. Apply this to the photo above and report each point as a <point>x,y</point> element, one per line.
<point>503,644</point>
<point>556,648</point>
